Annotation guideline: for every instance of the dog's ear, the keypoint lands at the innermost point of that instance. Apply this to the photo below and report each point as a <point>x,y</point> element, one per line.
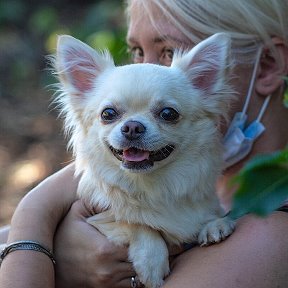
<point>208,67</point>
<point>78,65</point>
<point>206,64</point>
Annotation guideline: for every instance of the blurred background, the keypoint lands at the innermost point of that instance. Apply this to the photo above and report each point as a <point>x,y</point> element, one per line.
<point>32,145</point>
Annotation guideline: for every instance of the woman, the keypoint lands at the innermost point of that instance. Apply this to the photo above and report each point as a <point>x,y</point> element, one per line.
<point>256,253</point>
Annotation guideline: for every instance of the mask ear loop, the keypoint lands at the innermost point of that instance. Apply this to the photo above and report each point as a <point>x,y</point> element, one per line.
<point>263,108</point>
<point>252,82</point>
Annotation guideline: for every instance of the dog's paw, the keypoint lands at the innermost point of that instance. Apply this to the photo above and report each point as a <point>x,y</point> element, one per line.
<point>149,255</point>
<point>153,270</point>
<point>215,231</point>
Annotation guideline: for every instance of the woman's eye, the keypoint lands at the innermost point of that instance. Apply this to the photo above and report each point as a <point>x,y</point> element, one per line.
<point>168,53</point>
<point>169,114</point>
<point>167,56</point>
<point>136,54</point>
<point>109,114</point>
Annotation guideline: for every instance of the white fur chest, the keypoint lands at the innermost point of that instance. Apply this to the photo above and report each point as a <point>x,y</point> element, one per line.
<point>165,204</point>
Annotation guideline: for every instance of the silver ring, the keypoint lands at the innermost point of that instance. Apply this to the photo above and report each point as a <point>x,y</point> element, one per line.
<point>133,282</point>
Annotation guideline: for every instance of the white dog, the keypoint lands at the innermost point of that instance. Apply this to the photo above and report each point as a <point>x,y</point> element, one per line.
<point>146,141</point>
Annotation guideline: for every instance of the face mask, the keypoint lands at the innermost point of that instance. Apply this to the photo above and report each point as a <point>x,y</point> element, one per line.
<point>239,138</point>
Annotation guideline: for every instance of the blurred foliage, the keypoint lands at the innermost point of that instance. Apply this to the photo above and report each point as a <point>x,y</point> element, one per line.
<point>262,185</point>
<point>29,29</point>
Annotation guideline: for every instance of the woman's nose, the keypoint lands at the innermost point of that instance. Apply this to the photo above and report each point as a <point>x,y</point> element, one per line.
<point>151,58</point>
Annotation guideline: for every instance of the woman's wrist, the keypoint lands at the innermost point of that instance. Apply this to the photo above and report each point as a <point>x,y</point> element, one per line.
<point>25,269</point>
<point>6,249</point>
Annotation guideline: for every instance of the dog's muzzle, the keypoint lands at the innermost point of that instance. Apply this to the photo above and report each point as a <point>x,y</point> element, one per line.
<point>137,159</point>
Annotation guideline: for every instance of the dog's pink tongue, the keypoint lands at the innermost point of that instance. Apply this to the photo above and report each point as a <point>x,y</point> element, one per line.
<point>135,155</point>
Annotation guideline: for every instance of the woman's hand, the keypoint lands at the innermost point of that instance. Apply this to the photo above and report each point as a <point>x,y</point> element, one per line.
<point>85,258</point>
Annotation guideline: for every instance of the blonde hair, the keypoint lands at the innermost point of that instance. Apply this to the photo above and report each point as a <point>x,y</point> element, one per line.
<point>250,23</point>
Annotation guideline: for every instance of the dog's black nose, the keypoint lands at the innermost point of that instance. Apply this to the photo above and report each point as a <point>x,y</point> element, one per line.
<point>133,130</point>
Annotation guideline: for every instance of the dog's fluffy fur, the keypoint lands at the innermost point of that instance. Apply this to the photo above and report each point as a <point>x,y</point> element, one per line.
<point>146,142</point>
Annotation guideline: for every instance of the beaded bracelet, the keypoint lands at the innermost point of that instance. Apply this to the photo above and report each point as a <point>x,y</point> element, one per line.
<point>26,245</point>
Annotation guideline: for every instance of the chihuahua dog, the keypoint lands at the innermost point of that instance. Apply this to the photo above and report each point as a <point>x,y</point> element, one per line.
<point>147,145</point>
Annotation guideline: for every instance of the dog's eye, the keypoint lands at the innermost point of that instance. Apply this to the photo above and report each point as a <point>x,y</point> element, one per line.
<point>109,114</point>
<point>169,114</point>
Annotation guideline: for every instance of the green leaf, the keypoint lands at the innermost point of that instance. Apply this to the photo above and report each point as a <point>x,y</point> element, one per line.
<point>262,185</point>
<point>277,158</point>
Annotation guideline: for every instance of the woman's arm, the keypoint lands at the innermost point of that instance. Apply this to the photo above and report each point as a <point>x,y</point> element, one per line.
<point>254,256</point>
<point>36,218</point>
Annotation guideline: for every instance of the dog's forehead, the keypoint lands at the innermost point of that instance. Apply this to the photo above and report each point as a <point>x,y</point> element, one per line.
<point>143,75</point>
<point>146,81</point>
